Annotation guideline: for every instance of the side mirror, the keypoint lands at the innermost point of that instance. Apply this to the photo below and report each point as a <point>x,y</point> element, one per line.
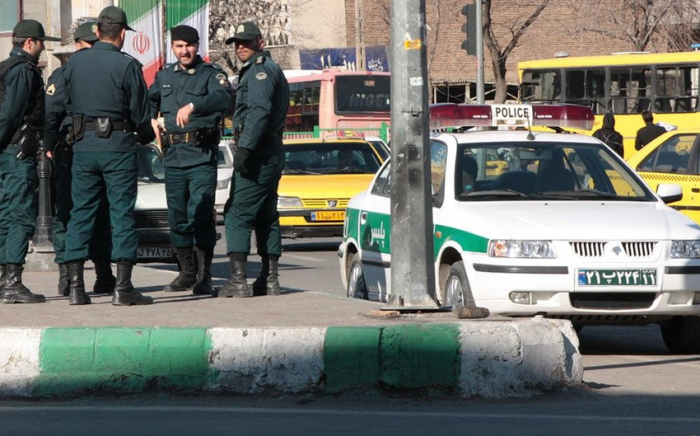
<point>669,192</point>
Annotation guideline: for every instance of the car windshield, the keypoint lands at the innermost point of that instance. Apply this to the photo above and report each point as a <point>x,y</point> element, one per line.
<point>330,158</point>
<point>535,171</point>
<point>150,165</point>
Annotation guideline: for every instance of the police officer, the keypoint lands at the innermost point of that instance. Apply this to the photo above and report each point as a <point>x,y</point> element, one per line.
<point>109,101</point>
<point>191,95</point>
<point>21,122</point>
<point>262,99</point>
<point>59,126</point>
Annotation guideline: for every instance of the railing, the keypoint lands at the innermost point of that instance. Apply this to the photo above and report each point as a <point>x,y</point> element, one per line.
<point>354,132</point>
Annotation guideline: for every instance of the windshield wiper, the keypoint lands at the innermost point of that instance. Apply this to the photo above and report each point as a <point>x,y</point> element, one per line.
<point>299,172</point>
<point>483,195</point>
<point>349,170</point>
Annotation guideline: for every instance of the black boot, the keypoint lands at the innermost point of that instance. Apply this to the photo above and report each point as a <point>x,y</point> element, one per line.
<point>124,293</point>
<point>237,284</point>
<point>188,272</point>
<point>204,258</point>
<point>14,291</point>
<point>267,282</point>
<point>104,279</point>
<point>63,280</point>
<point>78,296</point>
<point>3,268</point>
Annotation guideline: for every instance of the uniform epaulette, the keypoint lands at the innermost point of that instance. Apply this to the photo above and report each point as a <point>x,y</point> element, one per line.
<point>260,60</point>
<point>133,58</point>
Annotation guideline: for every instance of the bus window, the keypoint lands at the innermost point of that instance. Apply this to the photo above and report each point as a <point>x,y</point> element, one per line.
<point>630,90</point>
<point>358,94</point>
<point>674,92</point>
<point>541,87</point>
<point>587,88</point>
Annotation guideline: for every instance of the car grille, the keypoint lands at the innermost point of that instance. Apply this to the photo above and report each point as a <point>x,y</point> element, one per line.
<point>151,218</point>
<point>597,249</point>
<point>612,300</point>
<point>325,202</point>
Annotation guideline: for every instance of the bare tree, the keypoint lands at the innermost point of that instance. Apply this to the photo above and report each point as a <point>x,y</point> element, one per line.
<point>528,12</point>
<point>668,24</point>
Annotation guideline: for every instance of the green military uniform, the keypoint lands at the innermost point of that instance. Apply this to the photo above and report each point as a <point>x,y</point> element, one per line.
<point>109,101</point>
<point>21,121</point>
<point>58,122</point>
<point>262,99</point>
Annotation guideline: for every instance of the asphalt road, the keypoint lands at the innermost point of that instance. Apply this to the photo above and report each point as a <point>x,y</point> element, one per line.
<point>632,386</point>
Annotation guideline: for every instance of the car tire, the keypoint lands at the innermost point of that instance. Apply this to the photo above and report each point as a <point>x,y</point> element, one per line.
<point>682,334</point>
<point>456,292</point>
<point>356,278</point>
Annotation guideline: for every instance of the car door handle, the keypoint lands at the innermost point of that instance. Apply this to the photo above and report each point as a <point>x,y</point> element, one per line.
<point>695,190</point>
<point>363,217</point>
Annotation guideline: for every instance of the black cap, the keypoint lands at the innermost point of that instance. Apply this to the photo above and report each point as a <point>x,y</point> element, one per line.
<point>31,29</point>
<point>86,32</point>
<point>245,31</point>
<point>184,33</point>
<point>113,15</point>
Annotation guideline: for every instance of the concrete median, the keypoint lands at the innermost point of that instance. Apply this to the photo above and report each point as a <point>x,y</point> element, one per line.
<point>489,358</point>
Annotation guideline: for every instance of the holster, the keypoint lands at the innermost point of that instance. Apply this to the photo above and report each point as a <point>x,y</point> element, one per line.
<point>78,127</point>
<point>104,127</point>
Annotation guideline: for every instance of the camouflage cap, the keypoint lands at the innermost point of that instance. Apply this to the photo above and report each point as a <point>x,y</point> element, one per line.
<point>245,31</point>
<point>31,29</point>
<point>86,32</point>
<point>113,15</point>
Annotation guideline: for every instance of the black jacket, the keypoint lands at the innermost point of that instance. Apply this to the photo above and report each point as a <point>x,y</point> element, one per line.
<point>609,136</point>
<point>647,134</point>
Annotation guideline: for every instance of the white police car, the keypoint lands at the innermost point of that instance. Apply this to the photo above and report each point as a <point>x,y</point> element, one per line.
<point>529,223</point>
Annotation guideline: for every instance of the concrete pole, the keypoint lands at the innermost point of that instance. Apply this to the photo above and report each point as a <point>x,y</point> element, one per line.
<point>479,53</point>
<point>412,273</point>
<point>359,37</point>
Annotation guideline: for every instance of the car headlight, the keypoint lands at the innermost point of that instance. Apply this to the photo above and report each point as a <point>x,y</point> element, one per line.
<point>522,249</point>
<point>288,202</point>
<point>223,184</point>
<point>685,249</point>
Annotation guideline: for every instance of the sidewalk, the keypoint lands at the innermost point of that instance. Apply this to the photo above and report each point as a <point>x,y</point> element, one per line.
<point>297,342</point>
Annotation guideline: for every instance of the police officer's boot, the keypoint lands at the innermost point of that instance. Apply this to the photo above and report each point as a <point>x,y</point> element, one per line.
<point>63,280</point>
<point>104,279</point>
<point>124,292</point>
<point>267,282</point>
<point>237,284</point>
<point>3,267</point>
<point>78,296</point>
<point>204,258</point>
<point>188,271</point>
<point>14,291</point>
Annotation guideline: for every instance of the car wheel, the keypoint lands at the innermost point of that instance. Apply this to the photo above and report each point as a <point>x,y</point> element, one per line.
<point>682,334</point>
<point>457,292</point>
<point>356,279</point>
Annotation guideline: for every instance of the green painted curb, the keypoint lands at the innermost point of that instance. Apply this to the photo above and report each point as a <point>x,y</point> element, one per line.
<point>351,357</point>
<point>122,359</point>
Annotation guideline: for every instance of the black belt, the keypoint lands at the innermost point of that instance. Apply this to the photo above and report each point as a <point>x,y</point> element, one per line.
<point>127,126</point>
<point>270,132</point>
<point>196,136</point>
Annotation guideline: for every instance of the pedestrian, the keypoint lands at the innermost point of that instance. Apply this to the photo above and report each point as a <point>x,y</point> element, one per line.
<point>649,132</point>
<point>609,136</point>
<point>58,132</point>
<point>262,99</point>
<point>191,95</point>
<point>21,124</point>
<point>109,101</point>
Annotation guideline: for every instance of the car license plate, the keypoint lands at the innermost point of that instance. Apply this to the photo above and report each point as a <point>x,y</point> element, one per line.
<point>154,252</point>
<point>328,216</point>
<point>617,277</point>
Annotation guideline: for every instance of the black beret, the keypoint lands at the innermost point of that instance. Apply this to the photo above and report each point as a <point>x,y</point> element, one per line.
<point>184,33</point>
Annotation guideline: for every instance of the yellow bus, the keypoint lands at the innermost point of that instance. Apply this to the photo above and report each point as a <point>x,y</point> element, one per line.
<point>625,84</point>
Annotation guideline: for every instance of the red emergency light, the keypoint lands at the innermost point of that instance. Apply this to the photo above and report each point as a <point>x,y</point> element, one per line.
<point>471,115</point>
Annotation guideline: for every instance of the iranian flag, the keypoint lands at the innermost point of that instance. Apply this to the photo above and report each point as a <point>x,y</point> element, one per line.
<point>146,43</point>
<point>194,13</point>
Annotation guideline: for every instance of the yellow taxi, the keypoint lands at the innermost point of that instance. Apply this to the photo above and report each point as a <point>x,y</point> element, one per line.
<point>673,158</point>
<point>319,178</point>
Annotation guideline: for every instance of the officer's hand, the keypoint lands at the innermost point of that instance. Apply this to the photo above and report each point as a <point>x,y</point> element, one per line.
<point>239,159</point>
<point>183,115</point>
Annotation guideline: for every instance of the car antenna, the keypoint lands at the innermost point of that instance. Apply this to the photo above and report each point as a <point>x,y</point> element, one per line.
<point>530,136</point>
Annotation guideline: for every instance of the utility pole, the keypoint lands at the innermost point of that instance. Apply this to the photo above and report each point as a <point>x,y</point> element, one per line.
<point>479,53</point>
<point>359,37</point>
<point>412,272</point>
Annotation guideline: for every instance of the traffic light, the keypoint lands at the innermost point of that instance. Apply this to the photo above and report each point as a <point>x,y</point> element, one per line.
<point>469,27</point>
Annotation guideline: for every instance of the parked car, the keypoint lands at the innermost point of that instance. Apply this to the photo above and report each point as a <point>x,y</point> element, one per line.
<point>224,174</point>
<point>567,230</point>
<point>673,158</point>
<point>151,209</point>
<point>319,178</point>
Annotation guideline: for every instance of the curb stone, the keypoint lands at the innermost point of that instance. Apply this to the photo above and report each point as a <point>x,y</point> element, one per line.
<point>491,359</point>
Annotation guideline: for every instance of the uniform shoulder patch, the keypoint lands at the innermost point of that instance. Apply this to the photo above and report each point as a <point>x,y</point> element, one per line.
<point>51,90</point>
<point>223,80</point>
<point>261,75</point>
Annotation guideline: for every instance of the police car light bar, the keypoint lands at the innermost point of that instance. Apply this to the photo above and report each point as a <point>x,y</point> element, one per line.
<point>446,115</point>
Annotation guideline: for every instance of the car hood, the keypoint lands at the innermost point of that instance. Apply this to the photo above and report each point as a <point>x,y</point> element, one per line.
<point>579,220</point>
<point>151,196</point>
<point>322,186</point>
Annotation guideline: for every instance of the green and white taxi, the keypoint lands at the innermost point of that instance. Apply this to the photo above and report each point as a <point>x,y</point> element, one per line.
<point>565,230</point>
